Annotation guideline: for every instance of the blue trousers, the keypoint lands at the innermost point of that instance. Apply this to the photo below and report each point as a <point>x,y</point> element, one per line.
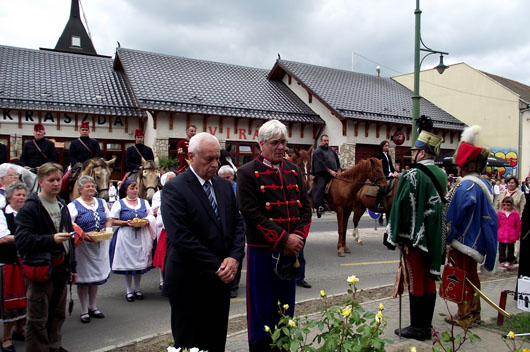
<point>264,290</point>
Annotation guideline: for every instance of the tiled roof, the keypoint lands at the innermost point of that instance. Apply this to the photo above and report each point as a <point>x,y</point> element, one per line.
<point>53,81</point>
<point>171,83</point>
<point>518,88</point>
<point>361,96</point>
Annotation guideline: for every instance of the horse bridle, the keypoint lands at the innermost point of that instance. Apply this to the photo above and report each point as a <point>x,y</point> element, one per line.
<point>141,177</point>
<point>93,175</point>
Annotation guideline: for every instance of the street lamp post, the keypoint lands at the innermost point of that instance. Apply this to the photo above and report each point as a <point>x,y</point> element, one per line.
<point>419,46</point>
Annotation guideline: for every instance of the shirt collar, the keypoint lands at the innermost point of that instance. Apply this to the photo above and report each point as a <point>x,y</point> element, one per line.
<point>201,180</point>
<point>426,162</point>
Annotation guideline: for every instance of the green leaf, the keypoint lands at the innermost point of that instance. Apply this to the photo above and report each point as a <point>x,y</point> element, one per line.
<point>294,346</point>
<point>446,337</point>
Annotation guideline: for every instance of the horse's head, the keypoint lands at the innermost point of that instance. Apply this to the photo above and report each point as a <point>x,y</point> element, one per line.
<point>375,172</point>
<point>99,170</point>
<point>302,158</point>
<point>148,179</point>
<point>226,159</point>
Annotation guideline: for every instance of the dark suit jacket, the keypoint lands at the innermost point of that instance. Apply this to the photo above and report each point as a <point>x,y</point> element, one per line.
<point>197,243</point>
<point>388,167</point>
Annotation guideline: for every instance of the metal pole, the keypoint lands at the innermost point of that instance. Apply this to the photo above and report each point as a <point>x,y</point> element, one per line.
<point>416,94</point>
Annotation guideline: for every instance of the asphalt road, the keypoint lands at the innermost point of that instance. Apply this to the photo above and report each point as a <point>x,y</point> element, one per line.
<point>372,263</point>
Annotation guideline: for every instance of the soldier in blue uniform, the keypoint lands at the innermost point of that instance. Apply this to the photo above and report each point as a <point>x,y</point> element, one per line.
<point>135,153</point>
<point>273,200</point>
<point>37,151</point>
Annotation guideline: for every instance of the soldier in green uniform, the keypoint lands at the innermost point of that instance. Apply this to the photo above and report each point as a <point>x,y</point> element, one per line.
<point>416,227</point>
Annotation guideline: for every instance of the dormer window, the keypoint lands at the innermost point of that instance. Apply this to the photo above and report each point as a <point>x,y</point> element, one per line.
<point>76,41</point>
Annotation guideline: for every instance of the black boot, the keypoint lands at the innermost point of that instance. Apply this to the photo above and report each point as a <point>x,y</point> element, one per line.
<point>416,330</point>
<point>428,308</point>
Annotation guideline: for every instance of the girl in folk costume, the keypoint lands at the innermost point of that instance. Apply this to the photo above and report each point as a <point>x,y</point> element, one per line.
<point>90,214</point>
<point>132,243</point>
<point>509,232</point>
<point>471,223</point>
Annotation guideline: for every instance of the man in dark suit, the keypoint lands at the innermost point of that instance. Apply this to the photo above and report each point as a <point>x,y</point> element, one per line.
<point>205,242</point>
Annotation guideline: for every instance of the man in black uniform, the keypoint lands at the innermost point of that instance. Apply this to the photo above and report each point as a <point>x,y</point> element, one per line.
<point>38,151</point>
<point>84,147</point>
<point>325,166</point>
<point>135,153</point>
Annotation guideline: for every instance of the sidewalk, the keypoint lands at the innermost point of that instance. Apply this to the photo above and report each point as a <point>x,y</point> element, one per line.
<point>491,339</point>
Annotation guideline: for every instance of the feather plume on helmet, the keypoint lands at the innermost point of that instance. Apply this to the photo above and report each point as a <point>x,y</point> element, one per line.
<point>470,155</point>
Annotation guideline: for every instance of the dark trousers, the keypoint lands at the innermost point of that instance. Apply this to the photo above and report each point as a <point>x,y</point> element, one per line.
<point>301,260</point>
<point>199,310</point>
<point>45,313</point>
<point>319,187</point>
<point>506,252</point>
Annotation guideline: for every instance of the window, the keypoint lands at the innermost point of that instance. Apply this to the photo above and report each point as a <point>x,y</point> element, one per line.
<point>76,41</point>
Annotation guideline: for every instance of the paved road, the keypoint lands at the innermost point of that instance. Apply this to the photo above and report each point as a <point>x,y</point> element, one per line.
<point>125,321</point>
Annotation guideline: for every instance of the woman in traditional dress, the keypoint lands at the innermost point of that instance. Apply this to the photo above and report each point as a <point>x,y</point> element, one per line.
<point>131,246</point>
<point>160,252</point>
<point>93,269</point>
<point>13,295</point>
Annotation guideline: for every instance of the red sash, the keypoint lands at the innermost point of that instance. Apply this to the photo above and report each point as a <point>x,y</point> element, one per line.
<point>14,287</point>
<point>160,252</point>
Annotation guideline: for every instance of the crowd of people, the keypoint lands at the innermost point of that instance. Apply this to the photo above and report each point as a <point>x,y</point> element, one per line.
<point>197,225</point>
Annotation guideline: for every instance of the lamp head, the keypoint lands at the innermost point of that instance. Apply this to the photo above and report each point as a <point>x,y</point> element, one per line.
<point>441,67</point>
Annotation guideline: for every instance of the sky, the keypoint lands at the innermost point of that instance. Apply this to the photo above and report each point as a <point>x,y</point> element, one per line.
<point>489,35</point>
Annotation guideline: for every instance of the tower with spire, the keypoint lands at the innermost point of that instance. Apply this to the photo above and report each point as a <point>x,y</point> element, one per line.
<point>75,38</point>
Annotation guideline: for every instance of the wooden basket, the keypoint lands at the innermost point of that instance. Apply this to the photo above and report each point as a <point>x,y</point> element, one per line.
<point>138,222</point>
<point>100,236</point>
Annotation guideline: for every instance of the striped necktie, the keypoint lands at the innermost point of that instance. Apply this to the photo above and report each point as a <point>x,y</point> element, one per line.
<point>208,189</point>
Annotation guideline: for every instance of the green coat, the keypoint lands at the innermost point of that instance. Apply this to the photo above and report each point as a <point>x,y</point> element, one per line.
<point>416,214</point>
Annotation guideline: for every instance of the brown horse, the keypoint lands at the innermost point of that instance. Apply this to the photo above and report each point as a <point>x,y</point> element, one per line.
<point>99,170</point>
<point>302,158</point>
<point>368,196</point>
<point>147,179</point>
<point>343,195</point>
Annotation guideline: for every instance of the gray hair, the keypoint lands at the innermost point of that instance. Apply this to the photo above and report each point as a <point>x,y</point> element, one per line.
<point>196,141</point>
<point>12,187</point>
<point>4,169</point>
<point>226,169</point>
<point>272,129</point>
<point>83,180</point>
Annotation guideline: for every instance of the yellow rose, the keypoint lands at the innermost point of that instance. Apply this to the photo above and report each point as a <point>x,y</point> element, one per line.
<point>291,323</point>
<point>377,319</point>
<point>267,329</point>
<point>352,280</point>
<point>381,306</point>
<point>286,306</point>
<point>346,311</point>
<point>322,293</point>
<point>511,335</point>
<point>379,315</point>
<point>413,349</point>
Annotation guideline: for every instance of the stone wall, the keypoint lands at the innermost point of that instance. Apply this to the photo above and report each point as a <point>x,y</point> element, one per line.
<point>161,147</point>
<point>347,155</point>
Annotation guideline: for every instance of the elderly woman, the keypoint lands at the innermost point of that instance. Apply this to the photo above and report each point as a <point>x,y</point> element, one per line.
<point>93,269</point>
<point>160,252</point>
<point>8,174</point>
<point>130,252</point>
<point>13,295</point>
<point>512,190</point>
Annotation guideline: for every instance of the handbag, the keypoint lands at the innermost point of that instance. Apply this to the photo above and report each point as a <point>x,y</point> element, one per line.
<point>37,267</point>
<point>453,282</point>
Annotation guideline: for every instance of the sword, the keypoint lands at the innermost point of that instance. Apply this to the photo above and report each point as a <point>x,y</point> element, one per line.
<point>483,296</point>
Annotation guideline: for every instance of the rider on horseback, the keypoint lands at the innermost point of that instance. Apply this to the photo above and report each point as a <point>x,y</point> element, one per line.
<point>135,153</point>
<point>38,151</point>
<point>325,166</point>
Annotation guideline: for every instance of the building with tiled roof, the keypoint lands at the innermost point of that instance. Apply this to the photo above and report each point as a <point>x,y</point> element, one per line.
<point>361,110</point>
<point>498,104</point>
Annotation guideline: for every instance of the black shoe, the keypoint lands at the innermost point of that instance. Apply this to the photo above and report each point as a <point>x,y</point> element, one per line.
<point>129,297</point>
<point>233,293</point>
<point>18,336</point>
<point>138,295</point>
<point>304,284</point>
<point>411,332</point>
<point>320,210</point>
<point>85,318</point>
<point>96,314</point>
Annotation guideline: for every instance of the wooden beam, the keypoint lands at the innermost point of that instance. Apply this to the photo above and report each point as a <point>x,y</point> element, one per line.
<point>451,136</point>
<point>388,129</point>
<point>309,97</point>
<point>126,124</point>
<point>76,121</point>
<point>205,122</point>
<point>110,123</point>
<point>221,120</point>
<point>289,79</point>
<point>302,127</point>
<point>170,120</point>
<point>39,114</point>
<point>356,129</point>
<point>367,128</point>
<point>378,129</point>
<point>344,126</point>
<point>58,121</point>
<point>188,120</point>
<point>155,115</point>
<point>249,127</point>
<point>236,126</point>
<point>93,123</point>
<point>409,129</point>
<point>315,131</point>
<point>290,126</point>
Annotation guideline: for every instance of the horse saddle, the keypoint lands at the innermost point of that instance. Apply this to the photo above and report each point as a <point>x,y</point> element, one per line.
<point>328,186</point>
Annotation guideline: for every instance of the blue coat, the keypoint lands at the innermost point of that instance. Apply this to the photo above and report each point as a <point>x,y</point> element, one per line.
<point>472,222</point>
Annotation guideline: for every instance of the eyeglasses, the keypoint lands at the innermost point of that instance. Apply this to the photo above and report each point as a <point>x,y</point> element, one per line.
<point>277,142</point>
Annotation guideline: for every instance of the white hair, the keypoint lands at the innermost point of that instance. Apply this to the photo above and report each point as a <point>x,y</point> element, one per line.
<point>272,129</point>
<point>226,169</point>
<point>4,169</point>
<point>196,141</point>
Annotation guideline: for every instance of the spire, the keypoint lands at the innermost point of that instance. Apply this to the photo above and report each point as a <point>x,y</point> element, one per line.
<point>75,38</point>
